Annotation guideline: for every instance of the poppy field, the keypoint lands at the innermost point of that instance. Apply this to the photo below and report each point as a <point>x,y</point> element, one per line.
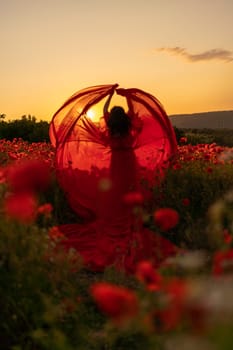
<point>48,300</point>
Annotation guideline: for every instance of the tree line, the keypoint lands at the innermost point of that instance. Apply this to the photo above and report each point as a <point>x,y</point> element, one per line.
<point>220,136</point>
<point>31,130</point>
<point>26,128</point>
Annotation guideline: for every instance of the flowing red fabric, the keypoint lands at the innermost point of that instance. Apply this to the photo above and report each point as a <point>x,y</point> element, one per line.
<point>97,171</point>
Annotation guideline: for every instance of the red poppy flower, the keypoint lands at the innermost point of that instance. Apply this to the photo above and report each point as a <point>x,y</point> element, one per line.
<point>119,303</point>
<point>45,209</point>
<point>29,175</point>
<point>55,233</point>
<point>227,237</point>
<point>209,170</point>
<point>166,218</point>
<point>186,202</point>
<point>146,273</point>
<point>21,206</point>
<point>177,166</point>
<point>176,291</point>
<point>12,155</point>
<point>183,139</point>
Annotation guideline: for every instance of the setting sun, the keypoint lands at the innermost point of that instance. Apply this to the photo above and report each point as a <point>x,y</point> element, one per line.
<point>95,112</point>
<point>91,114</point>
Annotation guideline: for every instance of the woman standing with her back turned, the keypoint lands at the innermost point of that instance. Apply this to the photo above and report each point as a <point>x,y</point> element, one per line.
<point>117,236</point>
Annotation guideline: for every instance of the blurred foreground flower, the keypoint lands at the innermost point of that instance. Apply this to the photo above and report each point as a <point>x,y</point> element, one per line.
<point>183,139</point>
<point>21,206</point>
<point>176,291</point>
<point>29,175</point>
<point>170,313</point>
<point>186,202</point>
<point>227,237</point>
<point>45,209</point>
<point>119,303</point>
<point>55,234</point>
<point>146,273</point>
<point>223,262</point>
<point>166,218</point>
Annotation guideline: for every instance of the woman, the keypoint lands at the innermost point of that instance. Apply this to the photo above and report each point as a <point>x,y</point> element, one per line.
<point>113,234</point>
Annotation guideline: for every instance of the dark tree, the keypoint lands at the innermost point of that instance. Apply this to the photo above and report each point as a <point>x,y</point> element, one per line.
<point>26,128</point>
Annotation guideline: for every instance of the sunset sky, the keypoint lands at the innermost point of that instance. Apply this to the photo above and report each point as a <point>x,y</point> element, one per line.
<point>181,51</point>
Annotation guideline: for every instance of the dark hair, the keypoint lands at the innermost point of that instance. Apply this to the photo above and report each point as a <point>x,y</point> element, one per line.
<point>118,123</point>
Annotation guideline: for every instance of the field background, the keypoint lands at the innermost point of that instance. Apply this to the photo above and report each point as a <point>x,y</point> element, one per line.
<point>48,300</point>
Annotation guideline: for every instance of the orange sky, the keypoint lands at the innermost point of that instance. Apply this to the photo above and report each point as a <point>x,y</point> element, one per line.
<point>181,51</point>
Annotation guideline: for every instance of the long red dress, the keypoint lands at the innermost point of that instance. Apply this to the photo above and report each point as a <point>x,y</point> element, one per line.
<point>98,171</point>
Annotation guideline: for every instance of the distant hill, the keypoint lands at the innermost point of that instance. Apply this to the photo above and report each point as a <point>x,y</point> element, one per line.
<point>209,120</point>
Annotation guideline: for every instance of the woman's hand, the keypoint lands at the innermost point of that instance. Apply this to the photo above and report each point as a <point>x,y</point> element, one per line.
<point>107,103</point>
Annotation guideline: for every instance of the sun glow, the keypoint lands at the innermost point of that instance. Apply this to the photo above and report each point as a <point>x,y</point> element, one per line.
<point>91,114</point>
<point>95,113</point>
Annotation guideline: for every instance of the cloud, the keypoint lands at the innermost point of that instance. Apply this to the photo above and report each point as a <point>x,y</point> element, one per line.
<point>214,54</point>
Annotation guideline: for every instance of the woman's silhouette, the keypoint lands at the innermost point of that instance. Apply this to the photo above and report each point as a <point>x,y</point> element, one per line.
<point>113,232</point>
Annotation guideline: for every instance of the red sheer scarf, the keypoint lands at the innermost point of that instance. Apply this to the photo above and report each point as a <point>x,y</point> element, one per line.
<point>97,171</point>
<point>84,151</point>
